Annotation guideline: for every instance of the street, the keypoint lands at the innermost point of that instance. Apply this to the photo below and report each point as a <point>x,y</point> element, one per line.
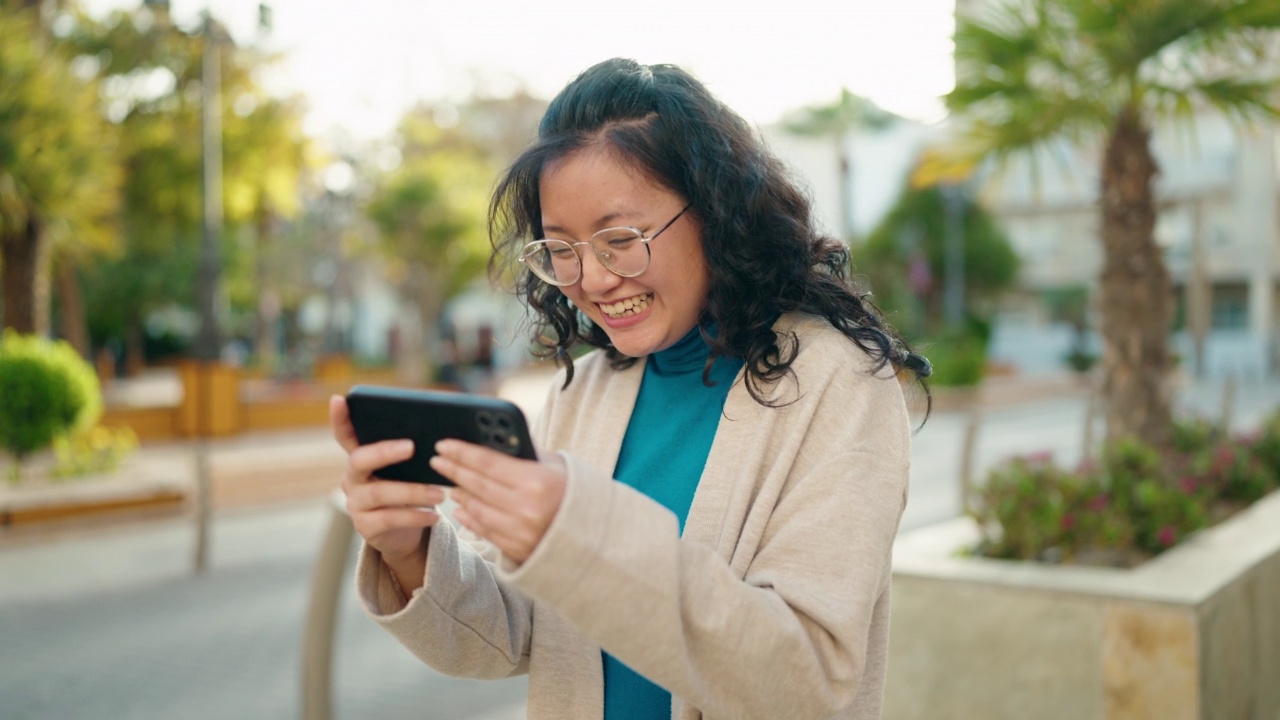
<point>110,623</point>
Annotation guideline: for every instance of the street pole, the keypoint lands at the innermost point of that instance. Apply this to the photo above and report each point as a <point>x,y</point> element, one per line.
<point>209,340</point>
<point>953,288</point>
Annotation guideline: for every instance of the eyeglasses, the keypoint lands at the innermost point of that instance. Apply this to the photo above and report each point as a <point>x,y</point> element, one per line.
<point>623,250</point>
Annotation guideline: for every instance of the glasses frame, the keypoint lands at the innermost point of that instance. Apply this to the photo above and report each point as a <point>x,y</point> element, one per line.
<point>536,245</point>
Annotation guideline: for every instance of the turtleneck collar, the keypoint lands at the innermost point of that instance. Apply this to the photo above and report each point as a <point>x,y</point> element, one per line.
<point>688,354</point>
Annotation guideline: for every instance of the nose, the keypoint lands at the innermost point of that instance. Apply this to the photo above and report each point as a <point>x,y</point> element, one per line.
<point>596,278</point>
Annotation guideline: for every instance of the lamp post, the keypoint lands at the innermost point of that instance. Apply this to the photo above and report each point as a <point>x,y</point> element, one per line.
<point>953,239</point>
<point>209,339</point>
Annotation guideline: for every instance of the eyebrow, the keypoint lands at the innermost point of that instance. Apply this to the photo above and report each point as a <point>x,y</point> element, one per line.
<point>602,222</point>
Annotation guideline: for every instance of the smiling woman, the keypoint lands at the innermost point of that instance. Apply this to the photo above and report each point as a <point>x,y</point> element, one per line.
<point>707,531</point>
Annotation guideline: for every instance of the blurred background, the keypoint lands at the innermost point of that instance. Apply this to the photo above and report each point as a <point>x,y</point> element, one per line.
<point>215,214</point>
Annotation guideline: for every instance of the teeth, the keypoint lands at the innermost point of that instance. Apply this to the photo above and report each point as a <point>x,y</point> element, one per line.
<point>628,307</point>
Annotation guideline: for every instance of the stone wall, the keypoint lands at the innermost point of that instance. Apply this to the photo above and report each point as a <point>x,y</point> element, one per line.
<point>1193,634</point>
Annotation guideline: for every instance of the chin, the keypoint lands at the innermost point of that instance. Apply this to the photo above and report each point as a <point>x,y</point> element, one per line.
<point>634,346</point>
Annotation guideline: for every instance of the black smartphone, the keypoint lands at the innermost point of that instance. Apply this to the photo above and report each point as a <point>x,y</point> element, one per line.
<point>427,416</point>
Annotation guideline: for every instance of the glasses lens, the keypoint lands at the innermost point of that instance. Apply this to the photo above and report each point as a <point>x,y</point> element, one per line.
<point>552,260</point>
<point>622,251</point>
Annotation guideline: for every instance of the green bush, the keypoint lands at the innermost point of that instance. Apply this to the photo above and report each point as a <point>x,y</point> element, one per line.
<point>46,390</point>
<point>959,359</point>
<point>1132,504</point>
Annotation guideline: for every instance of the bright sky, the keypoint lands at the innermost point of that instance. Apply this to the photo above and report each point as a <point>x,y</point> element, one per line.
<point>362,63</point>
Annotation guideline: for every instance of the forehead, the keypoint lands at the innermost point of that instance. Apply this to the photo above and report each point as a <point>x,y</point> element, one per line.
<point>596,179</point>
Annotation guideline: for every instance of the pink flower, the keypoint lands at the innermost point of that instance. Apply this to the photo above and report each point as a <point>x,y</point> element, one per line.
<point>1040,458</point>
<point>1225,456</point>
<point>1167,536</point>
<point>1068,522</point>
<point>1098,503</point>
<point>1189,485</point>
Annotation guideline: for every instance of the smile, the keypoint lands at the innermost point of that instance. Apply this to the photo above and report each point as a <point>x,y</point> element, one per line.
<point>630,306</point>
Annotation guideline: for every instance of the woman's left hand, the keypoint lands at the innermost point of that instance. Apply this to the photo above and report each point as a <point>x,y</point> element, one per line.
<point>508,501</point>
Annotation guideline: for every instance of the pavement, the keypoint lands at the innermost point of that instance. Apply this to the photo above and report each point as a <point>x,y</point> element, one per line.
<point>107,620</point>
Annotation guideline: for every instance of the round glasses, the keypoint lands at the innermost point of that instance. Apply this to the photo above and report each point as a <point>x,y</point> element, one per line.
<point>623,251</point>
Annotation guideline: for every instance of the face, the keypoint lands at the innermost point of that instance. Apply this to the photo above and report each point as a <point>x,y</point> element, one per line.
<point>590,191</point>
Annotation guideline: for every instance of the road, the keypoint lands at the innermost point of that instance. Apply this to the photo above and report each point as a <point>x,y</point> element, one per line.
<point>109,623</point>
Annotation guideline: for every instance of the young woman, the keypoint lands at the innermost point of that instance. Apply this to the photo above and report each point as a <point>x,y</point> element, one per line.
<point>708,530</point>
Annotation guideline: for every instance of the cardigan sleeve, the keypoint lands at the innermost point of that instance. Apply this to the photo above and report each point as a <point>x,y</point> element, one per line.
<point>789,638</point>
<point>464,621</point>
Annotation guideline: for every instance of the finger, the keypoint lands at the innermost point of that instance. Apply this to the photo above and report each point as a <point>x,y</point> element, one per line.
<point>368,459</point>
<point>498,465</point>
<point>340,421</point>
<point>500,537</point>
<point>393,494</point>
<point>377,522</point>
<point>475,484</point>
<point>517,524</point>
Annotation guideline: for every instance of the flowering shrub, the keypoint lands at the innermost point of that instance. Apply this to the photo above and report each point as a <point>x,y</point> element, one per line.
<point>97,450</point>
<point>1132,503</point>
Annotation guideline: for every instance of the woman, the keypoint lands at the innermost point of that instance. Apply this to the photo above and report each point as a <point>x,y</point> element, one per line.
<point>707,532</point>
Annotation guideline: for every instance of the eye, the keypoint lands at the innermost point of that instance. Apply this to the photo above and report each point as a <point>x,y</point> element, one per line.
<point>562,252</point>
<point>618,241</point>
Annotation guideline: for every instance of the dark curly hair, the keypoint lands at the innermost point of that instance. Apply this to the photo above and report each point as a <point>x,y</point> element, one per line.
<point>764,256</point>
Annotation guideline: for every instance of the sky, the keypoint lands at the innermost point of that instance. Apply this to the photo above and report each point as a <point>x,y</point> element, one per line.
<point>362,63</point>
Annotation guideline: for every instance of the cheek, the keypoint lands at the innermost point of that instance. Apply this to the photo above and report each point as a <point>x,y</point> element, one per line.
<point>574,294</point>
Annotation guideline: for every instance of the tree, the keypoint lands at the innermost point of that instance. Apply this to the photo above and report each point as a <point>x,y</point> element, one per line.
<point>58,179</point>
<point>1035,72</point>
<point>906,257</point>
<point>835,121</point>
<point>430,214</point>
<point>151,71</point>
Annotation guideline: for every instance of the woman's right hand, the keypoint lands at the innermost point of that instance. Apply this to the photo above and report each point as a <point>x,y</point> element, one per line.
<point>390,515</point>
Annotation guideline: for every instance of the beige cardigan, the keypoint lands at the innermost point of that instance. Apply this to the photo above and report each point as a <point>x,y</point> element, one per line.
<point>774,603</point>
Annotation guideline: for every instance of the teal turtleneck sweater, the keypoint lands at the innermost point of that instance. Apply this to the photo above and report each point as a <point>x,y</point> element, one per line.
<point>663,454</point>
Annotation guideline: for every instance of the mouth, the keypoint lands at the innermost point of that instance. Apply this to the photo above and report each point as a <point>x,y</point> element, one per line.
<point>626,308</point>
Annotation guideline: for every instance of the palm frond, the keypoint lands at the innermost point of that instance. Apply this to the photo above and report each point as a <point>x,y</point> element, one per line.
<point>1244,100</point>
<point>1255,14</point>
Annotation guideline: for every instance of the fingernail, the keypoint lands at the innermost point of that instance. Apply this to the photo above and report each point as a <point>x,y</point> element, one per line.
<point>443,446</point>
<point>404,446</point>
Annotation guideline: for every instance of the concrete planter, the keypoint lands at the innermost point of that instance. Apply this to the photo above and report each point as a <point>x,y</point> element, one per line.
<point>1194,633</point>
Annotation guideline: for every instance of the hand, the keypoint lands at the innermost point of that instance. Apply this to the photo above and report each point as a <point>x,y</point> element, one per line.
<point>508,501</point>
<point>390,515</point>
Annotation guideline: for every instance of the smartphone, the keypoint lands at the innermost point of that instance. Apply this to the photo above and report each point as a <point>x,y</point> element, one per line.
<point>427,416</point>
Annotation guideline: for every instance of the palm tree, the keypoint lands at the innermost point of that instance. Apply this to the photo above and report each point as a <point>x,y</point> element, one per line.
<point>1034,72</point>
<point>836,121</point>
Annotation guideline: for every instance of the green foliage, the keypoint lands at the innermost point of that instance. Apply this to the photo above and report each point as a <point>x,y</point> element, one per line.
<point>58,175</point>
<point>1028,73</point>
<point>46,390</point>
<point>151,74</point>
<point>914,232</point>
<point>959,358</point>
<point>94,451</point>
<point>430,213</point>
<point>1135,502</point>
<point>835,119</point>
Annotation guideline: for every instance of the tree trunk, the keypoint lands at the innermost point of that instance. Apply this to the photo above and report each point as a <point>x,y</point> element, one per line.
<point>1137,294</point>
<point>26,280</point>
<point>75,329</point>
<point>265,346</point>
